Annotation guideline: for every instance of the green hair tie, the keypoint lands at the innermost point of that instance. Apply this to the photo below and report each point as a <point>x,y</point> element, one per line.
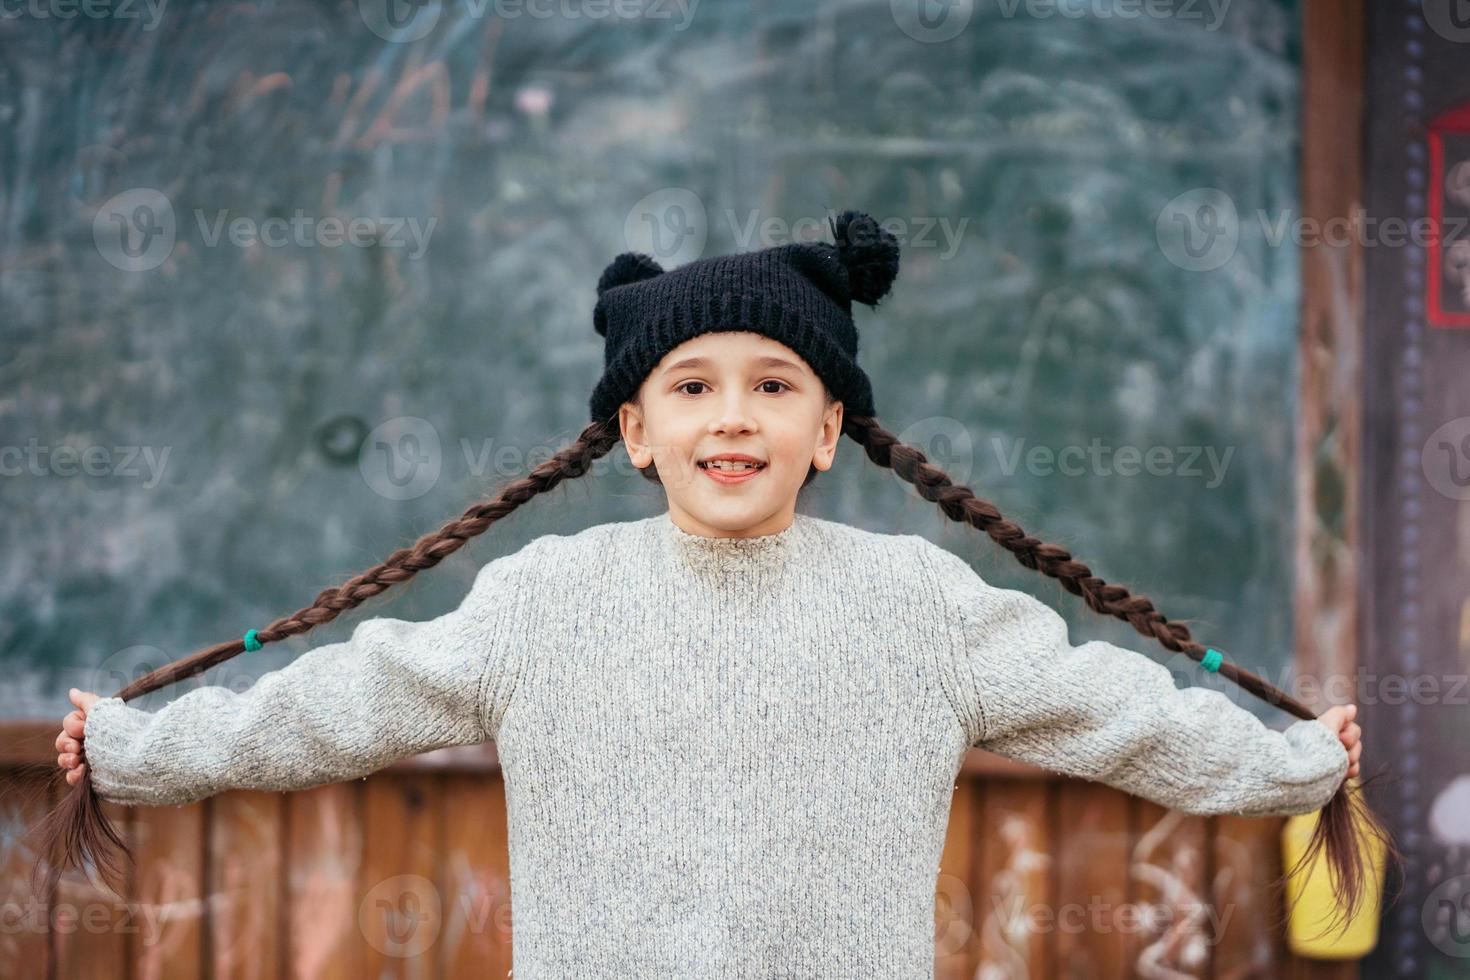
<point>251,643</point>
<point>1212,660</point>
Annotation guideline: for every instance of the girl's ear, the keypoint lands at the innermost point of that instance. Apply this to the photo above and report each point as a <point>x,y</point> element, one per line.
<point>631,425</point>
<point>826,451</point>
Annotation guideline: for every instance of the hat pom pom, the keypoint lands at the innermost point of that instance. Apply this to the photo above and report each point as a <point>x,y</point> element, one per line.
<point>868,252</point>
<point>626,268</point>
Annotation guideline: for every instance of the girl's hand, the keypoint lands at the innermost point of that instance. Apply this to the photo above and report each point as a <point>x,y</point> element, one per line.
<point>1339,720</point>
<point>73,734</point>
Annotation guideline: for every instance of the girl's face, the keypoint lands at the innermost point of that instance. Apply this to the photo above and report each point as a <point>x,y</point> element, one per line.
<point>737,393</point>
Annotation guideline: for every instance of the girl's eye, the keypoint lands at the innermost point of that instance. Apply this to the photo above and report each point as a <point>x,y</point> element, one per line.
<point>769,381</point>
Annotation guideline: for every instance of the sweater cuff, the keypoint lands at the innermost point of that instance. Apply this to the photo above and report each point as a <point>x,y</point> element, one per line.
<point>1312,785</point>
<point>111,727</point>
<point>1313,738</point>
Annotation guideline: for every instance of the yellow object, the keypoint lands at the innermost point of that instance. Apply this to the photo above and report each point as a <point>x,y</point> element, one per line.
<point>1313,898</point>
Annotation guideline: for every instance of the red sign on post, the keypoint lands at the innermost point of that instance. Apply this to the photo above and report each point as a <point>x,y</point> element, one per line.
<point>1448,279</point>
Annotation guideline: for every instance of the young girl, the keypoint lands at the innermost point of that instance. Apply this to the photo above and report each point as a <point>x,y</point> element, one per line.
<point>729,733</point>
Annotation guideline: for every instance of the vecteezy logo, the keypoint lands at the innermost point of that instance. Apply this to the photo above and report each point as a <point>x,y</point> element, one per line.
<point>1199,230</point>
<point>400,458</point>
<point>945,443</point>
<point>1450,19</point>
<point>399,20</point>
<point>954,914</point>
<point>1445,458</point>
<point>931,21</point>
<point>135,230</point>
<point>122,667</point>
<point>1445,916</point>
<point>400,916</point>
<point>1188,672</point>
<point>670,224</point>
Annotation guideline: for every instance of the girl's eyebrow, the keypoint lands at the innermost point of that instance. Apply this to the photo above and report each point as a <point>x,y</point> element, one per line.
<point>698,362</point>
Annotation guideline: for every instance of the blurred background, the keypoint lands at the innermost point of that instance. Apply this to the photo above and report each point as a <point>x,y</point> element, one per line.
<point>285,286</point>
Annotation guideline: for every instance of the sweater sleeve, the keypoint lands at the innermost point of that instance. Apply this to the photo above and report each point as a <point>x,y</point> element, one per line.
<point>1020,689</point>
<point>394,689</point>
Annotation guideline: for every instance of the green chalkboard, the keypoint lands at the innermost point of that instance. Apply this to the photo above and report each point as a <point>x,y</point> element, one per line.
<point>285,286</point>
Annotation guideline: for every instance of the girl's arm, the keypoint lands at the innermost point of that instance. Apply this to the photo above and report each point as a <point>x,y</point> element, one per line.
<point>1022,690</point>
<point>394,689</point>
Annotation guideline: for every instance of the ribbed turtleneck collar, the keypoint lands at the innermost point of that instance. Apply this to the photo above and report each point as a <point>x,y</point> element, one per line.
<point>719,556</point>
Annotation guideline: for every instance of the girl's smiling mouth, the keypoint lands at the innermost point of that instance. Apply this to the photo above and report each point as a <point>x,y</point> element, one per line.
<point>731,467</point>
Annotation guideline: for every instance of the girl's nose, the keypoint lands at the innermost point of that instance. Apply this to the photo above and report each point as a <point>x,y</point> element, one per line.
<point>733,416</point>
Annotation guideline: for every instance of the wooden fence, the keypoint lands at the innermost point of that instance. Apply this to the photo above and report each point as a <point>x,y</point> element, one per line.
<point>406,873</point>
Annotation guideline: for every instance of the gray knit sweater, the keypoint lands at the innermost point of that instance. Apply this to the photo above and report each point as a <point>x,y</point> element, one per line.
<point>723,757</point>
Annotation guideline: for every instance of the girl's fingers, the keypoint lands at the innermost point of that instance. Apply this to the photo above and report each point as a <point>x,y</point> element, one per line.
<point>73,725</point>
<point>1333,719</point>
<point>67,760</point>
<point>73,776</point>
<point>83,699</point>
<point>1340,717</point>
<point>1352,731</point>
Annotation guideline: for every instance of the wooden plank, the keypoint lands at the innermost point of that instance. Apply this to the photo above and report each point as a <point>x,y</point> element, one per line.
<point>1047,894</point>
<point>1328,431</point>
<point>246,875</point>
<point>1015,909</point>
<point>1329,449</point>
<point>982,764</point>
<point>480,758</point>
<point>25,945</point>
<point>31,742</point>
<point>400,907</point>
<point>474,878</point>
<point>956,951</point>
<point>1247,859</point>
<point>1299,968</point>
<point>323,856</point>
<point>1173,920</point>
<point>92,926</point>
<point>1093,849</point>
<point>169,891</point>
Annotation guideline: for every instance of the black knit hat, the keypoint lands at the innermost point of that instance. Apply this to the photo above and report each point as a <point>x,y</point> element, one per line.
<point>799,294</point>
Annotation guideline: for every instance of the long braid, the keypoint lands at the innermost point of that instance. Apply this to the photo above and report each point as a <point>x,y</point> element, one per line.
<point>960,504</point>
<point>1335,829</point>
<point>77,831</point>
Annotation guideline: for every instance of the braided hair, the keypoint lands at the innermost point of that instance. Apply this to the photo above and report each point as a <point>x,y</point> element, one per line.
<point>77,830</point>
<point>799,295</point>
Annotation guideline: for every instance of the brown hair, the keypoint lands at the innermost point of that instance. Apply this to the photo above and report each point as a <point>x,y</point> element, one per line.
<point>77,830</point>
